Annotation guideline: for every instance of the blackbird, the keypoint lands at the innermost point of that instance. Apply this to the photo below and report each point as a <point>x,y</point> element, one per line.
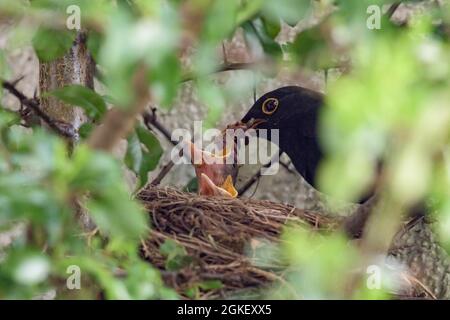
<point>294,111</point>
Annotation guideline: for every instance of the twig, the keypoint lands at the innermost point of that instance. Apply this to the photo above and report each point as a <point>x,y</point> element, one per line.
<point>354,225</point>
<point>413,280</point>
<point>257,175</point>
<point>224,53</point>
<point>150,120</point>
<point>224,67</point>
<point>252,180</point>
<point>34,105</point>
<point>392,9</point>
<point>164,171</point>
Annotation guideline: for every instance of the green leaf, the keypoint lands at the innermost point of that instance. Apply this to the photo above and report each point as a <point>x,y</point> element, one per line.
<point>290,11</point>
<point>192,185</point>
<point>271,27</point>
<point>85,130</point>
<point>109,202</point>
<point>8,118</point>
<point>220,20</point>
<point>248,10</point>
<point>96,268</point>
<point>4,68</point>
<point>47,4</point>
<point>212,96</point>
<point>165,80</point>
<point>83,97</point>
<point>256,30</point>
<point>143,153</point>
<point>153,151</point>
<point>51,44</point>
<point>117,215</point>
<point>94,41</point>
<point>133,157</point>
<point>193,291</point>
<point>170,247</point>
<point>26,266</point>
<point>311,49</point>
<point>176,254</point>
<point>178,262</point>
<point>148,164</point>
<point>210,284</point>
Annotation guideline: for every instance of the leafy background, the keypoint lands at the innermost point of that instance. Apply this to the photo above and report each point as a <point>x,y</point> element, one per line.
<point>384,101</point>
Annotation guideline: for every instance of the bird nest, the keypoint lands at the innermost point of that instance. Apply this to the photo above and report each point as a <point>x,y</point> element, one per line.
<point>213,235</point>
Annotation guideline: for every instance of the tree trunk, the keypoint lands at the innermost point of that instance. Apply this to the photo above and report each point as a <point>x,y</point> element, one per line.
<point>75,67</point>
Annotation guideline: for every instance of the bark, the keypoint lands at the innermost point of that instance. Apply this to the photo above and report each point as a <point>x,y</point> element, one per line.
<point>75,67</point>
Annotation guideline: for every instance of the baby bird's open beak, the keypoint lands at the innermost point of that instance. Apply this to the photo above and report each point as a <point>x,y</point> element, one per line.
<point>213,173</point>
<point>207,187</point>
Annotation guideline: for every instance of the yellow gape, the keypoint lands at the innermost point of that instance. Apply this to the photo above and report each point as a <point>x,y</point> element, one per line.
<point>229,187</point>
<point>213,172</point>
<point>207,187</point>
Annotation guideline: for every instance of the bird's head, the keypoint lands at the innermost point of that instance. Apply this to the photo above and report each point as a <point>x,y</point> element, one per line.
<point>277,108</point>
<point>293,112</point>
<point>215,176</point>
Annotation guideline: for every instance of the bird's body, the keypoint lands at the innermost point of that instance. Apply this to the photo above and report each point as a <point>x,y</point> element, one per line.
<point>295,112</point>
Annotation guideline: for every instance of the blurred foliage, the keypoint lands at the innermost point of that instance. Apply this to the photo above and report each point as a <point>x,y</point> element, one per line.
<point>391,103</point>
<point>39,183</point>
<point>143,153</point>
<point>176,255</point>
<point>50,44</point>
<point>77,95</point>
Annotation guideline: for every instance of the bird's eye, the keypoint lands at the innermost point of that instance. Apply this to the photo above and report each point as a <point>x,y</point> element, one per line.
<point>270,106</point>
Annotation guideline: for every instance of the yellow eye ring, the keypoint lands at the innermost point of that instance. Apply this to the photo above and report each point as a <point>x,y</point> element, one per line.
<point>270,105</point>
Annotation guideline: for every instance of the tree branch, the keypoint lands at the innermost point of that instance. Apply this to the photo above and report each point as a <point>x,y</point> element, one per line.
<point>164,171</point>
<point>34,105</point>
<point>258,175</point>
<point>150,120</point>
<point>392,9</point>
<point>223,68</point>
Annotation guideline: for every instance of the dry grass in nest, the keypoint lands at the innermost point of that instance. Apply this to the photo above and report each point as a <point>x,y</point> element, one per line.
<point>215,232</point>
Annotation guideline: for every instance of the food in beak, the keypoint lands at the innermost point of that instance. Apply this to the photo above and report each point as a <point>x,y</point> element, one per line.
<point>251,124</point>
<point>245,126</point>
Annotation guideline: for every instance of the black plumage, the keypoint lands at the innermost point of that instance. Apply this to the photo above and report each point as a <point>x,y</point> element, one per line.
<point>294,111</point>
